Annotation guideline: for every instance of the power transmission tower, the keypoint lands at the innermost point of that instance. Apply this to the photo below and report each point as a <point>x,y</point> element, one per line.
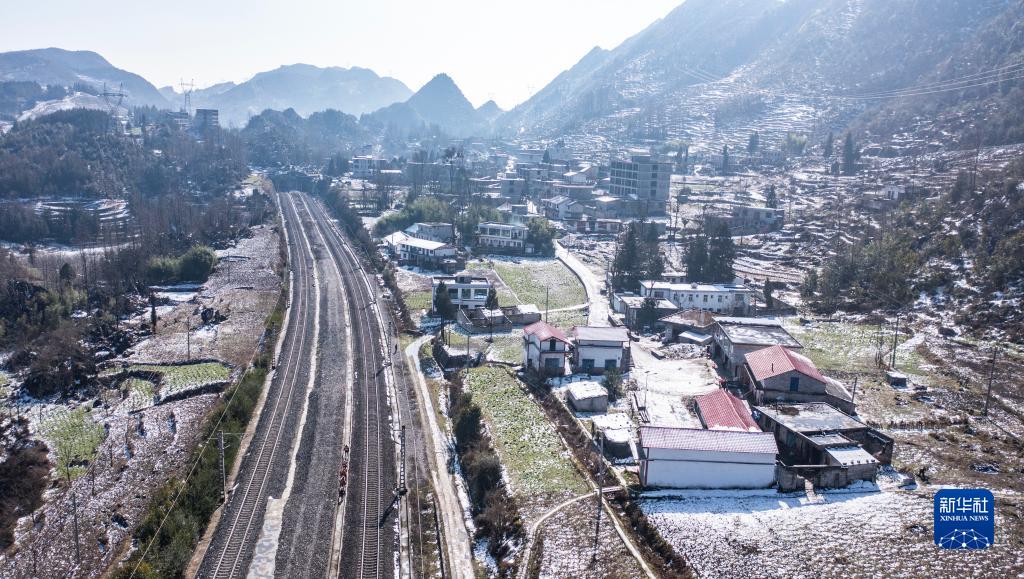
<point>991,377</point>
<point>186,92</point>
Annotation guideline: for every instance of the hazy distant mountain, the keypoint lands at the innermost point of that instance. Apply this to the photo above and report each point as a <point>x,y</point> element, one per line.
<point>64,67</point>
<point>714,70</point>
<point>306,89</point>
<point>489,111</point>
<point>439,102</point>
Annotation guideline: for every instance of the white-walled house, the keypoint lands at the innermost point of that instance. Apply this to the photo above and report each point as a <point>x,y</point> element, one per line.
<point>721,298</point>
<point>465,290</point>
<point>599,349</point>
<point>707,459</point>
<point>545,349</point>
<point>502,237</point>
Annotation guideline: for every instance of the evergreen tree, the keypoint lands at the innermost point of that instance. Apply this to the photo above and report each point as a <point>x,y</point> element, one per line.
<point>492,299</point>
<point>721,253</point>
<point>810,285</point>
<point>725,159</point>
<point>828,145</point>
<point>625,265</point>
<point>849,156</point>
<point>443,305</point>
<point>770,198</point>
<point>753,143</point>
<point>697,258</point>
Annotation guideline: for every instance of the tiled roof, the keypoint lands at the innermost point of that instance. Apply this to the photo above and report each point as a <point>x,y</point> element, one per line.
<point>545,331</point>
<point>776,360</point>
<point>720,410</point>
<point>707,440</point>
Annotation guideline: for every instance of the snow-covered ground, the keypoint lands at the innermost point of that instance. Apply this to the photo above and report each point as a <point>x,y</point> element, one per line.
<point>668,385</point>
<point>856,532</point>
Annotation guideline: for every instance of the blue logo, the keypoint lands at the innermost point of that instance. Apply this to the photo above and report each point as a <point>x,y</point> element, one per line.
<point>965,519</point>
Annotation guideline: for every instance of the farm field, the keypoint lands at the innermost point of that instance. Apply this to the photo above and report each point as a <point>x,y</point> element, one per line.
<point>530,279</point>
<point>527,443</point>
<point>856,532</point>
<point>176,379</point>
<point>73,436</point>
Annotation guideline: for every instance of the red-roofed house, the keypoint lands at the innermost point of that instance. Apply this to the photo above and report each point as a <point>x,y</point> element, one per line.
<point>709,459</point>
<point>720,410</point>
<point>545,349</point>
<point>777,374</point>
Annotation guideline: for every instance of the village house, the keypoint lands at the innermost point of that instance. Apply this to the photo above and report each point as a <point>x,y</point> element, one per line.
<point>720,410</point>
<point>728,299</point>
<point>465,290</point>
<point>822,443</point>
<point>776,374</point>
<point>545,349</point>
<point>630,306</point>
<point>736,337</point>
<point>711,459</point>
<point>408,250</point>
<point>432,231</point>
<point>691,325</point>
<point>502,238</point>
<point>366,167</point>
<point>596,350</point>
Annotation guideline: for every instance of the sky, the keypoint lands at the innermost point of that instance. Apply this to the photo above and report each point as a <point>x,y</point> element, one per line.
<point>502,50</point>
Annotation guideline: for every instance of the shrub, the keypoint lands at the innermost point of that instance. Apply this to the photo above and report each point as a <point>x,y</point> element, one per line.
<point>197,264</point>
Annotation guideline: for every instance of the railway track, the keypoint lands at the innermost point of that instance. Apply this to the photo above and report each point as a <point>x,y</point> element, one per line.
<point>367,542</point>
<point>231,550</point>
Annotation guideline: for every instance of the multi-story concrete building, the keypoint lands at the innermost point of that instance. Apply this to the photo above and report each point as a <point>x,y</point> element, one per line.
<point>642,178</point>
<point>721,298</point>
<point>465,290</point>
<point>597,349</point>
<point>206,119</point>
<point>545,349</point>
<point>366,167</point>
<point>502,237</point>
<point>432,230</point>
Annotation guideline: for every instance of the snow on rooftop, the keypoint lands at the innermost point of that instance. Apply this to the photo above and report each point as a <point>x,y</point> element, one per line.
<point>587,389</point>
<point>851,455</point>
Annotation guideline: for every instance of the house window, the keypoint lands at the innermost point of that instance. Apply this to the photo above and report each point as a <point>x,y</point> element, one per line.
<point>790,438</point>
<point>794,384</point>
<point>551,345</point>
<point>705,298</point>
<point>610,364</point>
<point>588,364</point>
<point>552,363</point>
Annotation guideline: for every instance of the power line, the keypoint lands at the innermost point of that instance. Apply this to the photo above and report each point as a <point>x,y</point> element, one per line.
<point>978,76</point>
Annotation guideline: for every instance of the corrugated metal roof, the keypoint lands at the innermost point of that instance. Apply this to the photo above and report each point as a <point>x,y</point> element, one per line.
<point>776,360</point>
<point>707,440</point>
<point>601,334</point>
<point>720,410</point>
<point>545,331</point>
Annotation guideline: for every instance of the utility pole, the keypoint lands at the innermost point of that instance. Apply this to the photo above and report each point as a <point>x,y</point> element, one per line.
<point>188,338</point>
<point>895,337</point>
<point>991,377</point>
<point>546,290</point>
<point>223,469</point>
<point>74,509</point>
<point>854,395</point>
<point>600,494</point>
